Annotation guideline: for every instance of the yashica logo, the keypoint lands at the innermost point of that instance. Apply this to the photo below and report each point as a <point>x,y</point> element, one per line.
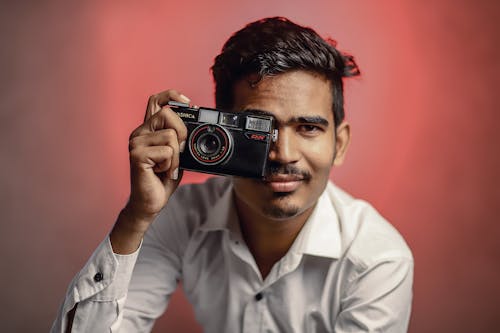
<point>186,115</point>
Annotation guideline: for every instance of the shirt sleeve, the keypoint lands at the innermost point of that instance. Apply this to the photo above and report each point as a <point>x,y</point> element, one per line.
<point>155,278</point>
<point>127,293</point>
<point>99,290</point>
<point>378,298</point>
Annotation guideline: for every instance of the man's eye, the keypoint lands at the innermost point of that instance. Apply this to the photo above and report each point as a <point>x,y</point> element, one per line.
<point>309,129</point>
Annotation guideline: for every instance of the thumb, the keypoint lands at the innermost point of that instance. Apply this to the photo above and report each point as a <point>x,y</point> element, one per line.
<point>172,184</point>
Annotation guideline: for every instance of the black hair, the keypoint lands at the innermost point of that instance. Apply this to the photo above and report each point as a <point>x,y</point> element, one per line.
<point>276,45</point>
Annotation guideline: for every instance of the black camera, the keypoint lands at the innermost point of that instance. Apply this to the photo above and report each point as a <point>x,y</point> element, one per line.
<point>225,143</point>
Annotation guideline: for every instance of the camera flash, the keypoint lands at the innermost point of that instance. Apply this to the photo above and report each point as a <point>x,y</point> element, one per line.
<point>258,124</point>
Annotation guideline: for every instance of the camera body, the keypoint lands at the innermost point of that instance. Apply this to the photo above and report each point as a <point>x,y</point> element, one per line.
<point>225,143</point>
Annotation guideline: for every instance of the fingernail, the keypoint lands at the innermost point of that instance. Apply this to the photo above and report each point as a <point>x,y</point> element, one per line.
<point>184,98</point>
<point>175,174</point>
<point>182,145</point>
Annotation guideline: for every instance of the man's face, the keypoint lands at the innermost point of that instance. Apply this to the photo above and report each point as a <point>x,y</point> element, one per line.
<point>301,159</point>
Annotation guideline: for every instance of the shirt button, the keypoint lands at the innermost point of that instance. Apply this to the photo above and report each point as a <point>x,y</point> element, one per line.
<point>259,296</point>
<point>98,277</point>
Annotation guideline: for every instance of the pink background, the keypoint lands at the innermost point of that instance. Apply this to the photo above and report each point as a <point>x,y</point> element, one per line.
<point>75,79</point>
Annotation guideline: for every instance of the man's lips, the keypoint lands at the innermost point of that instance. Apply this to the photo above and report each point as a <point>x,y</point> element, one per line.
<point>283,183</point>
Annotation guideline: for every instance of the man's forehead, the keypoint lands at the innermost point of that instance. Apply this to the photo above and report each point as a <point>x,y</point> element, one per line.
<point>287,95</point>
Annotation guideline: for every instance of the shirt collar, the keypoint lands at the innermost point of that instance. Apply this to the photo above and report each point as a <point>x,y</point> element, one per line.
<point>320,235</point>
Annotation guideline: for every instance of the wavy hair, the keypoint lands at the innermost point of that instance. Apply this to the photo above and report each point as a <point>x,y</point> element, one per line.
<point>276,45</point>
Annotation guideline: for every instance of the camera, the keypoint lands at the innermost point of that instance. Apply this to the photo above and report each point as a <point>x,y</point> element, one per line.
<point>225,143</point>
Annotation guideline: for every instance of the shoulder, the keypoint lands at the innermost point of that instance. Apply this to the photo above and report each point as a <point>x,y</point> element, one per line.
<point>201,195</point>
<point>367,237</point>
<point>190,206</point>
<point>197,200</point>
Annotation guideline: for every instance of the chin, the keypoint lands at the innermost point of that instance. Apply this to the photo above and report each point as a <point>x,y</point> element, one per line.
<point>282,206</point>
<point>258,196</point>
<point>280,212</point>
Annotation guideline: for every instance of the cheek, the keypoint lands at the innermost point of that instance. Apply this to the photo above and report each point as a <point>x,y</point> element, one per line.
<point>320,155</point>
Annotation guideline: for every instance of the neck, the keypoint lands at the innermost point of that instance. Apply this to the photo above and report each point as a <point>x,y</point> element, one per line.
<point>268,239</point>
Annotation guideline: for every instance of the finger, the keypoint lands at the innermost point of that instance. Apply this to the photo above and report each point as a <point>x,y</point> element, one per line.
<point>157,101</point>
<point>151,157</point>
<point>165,119</point>
<point>157,138</point>
<point>162,167</point>
<point>166,137</point>
<point>166,180</point>
<point>174,167</point>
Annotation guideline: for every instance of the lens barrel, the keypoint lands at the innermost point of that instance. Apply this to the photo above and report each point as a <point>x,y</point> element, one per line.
<point>210,144</point>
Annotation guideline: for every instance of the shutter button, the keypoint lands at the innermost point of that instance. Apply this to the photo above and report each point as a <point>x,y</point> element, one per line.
<point>98,277</point>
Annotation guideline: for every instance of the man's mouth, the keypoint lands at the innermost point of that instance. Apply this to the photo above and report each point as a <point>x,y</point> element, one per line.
<point>283,183</point>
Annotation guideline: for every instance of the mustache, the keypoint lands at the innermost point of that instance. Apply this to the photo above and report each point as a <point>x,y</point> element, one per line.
<point>275,168</point>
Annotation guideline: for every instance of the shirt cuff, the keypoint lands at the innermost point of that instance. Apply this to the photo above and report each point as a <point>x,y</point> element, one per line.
<point>106,276</point>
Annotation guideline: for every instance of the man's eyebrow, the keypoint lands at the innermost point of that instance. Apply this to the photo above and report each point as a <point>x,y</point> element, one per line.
<point>258,112</point>
<point>310,120</point>
<point>302,119</point>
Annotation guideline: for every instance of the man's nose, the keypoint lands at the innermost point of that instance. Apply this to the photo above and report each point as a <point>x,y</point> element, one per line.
<point>285,149</point>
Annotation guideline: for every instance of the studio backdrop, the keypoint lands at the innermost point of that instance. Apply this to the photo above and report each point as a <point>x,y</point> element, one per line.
<point>74,82</point>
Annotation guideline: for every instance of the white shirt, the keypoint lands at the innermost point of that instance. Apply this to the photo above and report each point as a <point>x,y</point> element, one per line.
<point>348,270</point>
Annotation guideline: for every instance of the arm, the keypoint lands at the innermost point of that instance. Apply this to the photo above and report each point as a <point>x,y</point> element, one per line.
<point>156,274</point>
<point>378,299</point>
<point>99,291</point>
<point>96,291</point>
<point>124,301</point>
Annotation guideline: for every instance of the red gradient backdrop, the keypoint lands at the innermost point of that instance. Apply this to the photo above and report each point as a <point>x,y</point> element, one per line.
<point>75,79</point>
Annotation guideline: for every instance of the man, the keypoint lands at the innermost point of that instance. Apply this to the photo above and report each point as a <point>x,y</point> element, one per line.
<point>287,253</point>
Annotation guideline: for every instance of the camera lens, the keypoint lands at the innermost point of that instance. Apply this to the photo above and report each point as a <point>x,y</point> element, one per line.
<point>209,144</point>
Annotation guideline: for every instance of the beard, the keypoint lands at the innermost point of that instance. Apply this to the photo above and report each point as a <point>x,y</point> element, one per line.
<point>282,209</point>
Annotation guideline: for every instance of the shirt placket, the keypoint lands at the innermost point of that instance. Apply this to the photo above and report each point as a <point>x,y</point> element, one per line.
<point>254,318</point>
<point>253,314</point>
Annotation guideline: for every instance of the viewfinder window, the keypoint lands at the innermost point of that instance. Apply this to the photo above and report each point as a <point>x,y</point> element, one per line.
<point>229,119</point>
<point>209,116</point>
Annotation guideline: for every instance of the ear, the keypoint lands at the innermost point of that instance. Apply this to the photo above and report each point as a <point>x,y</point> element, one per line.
<point>342,139</point>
